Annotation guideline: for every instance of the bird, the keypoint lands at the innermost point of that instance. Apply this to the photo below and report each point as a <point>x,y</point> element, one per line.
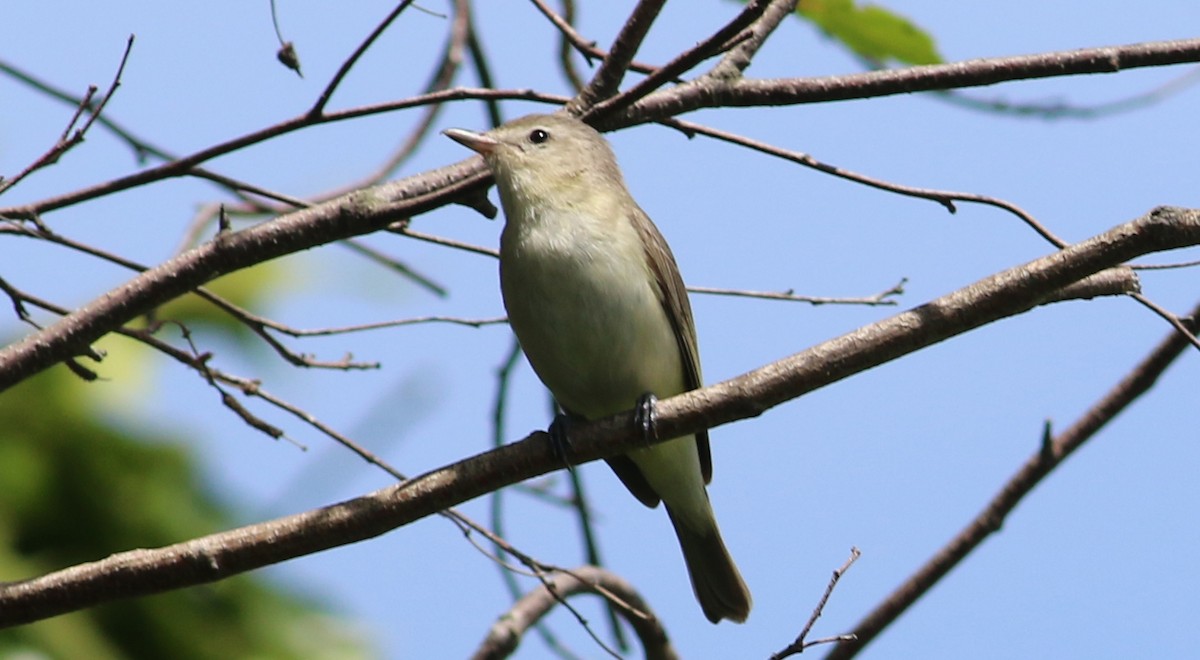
<point>598,305</point>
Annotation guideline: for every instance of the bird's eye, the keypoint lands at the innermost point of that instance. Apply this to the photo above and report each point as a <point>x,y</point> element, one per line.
<point>538,136</point>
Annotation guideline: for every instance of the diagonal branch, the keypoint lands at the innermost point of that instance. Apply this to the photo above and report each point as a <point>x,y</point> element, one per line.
<point>71,138</point>
<point>681,64</point>
<point>738,58</point>
<point>214,557</point>
<point>354,214</point>
<point>608,78</point>
<point>186,164</point>
<point>318,108</point>
<point>1036,468</point>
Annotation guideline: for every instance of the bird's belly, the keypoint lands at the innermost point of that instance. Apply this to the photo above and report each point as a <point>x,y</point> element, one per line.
<point>593,328</point>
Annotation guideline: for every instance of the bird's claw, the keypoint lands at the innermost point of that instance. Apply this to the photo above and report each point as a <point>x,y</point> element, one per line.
<point>645,415</point>
<point>560,442</point>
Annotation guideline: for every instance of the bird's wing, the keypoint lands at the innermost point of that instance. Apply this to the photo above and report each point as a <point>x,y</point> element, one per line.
<point>673,295</point>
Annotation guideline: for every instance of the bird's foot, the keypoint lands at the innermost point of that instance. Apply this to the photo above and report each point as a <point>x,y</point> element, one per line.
<point>560,443</point>
<point>645,415</point>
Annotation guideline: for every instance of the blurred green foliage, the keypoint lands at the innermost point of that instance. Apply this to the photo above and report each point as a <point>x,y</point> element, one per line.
<point>75,488</point>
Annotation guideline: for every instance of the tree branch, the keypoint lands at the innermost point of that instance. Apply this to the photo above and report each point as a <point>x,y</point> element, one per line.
<point>608,77</point>
<point>710,92</point>
<point>207,559</point>
<point>506,633</point>
<point>1036,468</point>
<point>350,215</point>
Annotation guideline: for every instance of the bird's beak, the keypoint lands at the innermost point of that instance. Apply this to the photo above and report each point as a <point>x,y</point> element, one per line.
<point>477,142</point>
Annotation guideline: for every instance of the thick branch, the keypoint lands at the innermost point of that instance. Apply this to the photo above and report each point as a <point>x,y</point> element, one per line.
<point>709,92</point>
<point>351,215</point>
<point>142,572</point>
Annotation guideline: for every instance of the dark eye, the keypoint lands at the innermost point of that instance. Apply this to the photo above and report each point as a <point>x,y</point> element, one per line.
<point>538,136</point>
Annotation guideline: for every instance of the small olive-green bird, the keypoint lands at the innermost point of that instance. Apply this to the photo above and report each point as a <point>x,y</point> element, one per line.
<point>596,301</point>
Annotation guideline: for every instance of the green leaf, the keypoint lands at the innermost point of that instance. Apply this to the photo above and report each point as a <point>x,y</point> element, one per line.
<point>871,31</point>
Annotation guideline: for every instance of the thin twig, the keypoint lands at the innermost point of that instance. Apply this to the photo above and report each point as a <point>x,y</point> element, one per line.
<point>612,70</point>
<point>1050,453</point>
<point>72,136</point>
<point>403,229</point>
<point>1171,266</point>
<point>685,61</point>
<point>1059,110</point>
<point>184,165</point>
<point>440,79</point>
<point>565,63</point>
<point>257,324</point>
<point>396,266</point>
<point>141,148</point>
<point>800,643</point>
<point>738,58</point>
<point>318,109</point>
<point>505,635</point>
<point>882,298</point>
<point>586,47</point>
<point>1175,321</point>
<point>944,197</point>
<point>483,70</point>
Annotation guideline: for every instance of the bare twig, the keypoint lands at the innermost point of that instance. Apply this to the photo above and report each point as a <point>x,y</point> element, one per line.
<point>944,197</point>
<point>565,63</point>
<point>18,299</point>
<point>1176,322</point>
<point>483,71</point>
<point>713,45</point>
<point>587,48</point>
<point>396,266</point>
<point>1060,110</point>
<point>1051,452</point>
<point>186,164</point>
<point>318,108</point>
<point>670,102</point>
<point>141,148</point>
<point>506,633</point>
<point>801,642</point>
<point>1170,266</point>
<point>881,298</point>
<point>738,58</point>
<point>403,229</point>
<point>257,324</point>
<point>608,77</point>
<point>442,77</point>
<point>71,135</point>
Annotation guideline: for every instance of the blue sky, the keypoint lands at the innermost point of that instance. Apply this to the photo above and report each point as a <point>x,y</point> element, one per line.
<point>1099,561</point>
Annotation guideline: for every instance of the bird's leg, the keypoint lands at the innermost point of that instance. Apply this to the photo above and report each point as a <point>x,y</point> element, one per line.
<point>645,415</point>
<point>560,443</point>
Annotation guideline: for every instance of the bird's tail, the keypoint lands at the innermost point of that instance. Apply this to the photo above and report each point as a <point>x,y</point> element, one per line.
<point>715,579</point>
